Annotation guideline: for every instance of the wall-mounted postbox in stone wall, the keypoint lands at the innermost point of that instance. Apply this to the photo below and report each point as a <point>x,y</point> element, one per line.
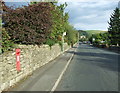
<point>18,60</point>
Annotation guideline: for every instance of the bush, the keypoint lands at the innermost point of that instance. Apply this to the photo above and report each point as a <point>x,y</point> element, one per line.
<point>30,24</point>
<point>72,35</point>
<point>6,43</point>
<point>50,42</point>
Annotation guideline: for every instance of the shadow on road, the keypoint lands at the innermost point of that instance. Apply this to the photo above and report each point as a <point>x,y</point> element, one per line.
<point>104,60</point>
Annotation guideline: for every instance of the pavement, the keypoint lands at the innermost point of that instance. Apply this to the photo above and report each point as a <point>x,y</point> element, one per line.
<point>90,69</point>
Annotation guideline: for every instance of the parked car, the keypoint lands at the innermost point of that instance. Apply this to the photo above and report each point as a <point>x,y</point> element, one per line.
<point>84,42</point>
<point>88,42</point>
<point>80,42</point>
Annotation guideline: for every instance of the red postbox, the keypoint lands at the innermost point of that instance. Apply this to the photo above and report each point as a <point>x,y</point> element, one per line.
<point>18,59</point>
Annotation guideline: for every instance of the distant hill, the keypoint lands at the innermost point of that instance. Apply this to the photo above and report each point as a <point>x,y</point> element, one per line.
<point>95,31</point>
<point>90,32</point>
<point>81,32</point>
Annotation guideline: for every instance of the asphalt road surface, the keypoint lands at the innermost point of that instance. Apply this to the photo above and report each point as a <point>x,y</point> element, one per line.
<point>91,69</point>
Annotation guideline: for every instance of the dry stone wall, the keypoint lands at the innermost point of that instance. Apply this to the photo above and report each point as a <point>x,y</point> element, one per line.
<point>31,58</point>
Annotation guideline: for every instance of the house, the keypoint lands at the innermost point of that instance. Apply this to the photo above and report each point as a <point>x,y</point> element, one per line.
<point>81,37</point>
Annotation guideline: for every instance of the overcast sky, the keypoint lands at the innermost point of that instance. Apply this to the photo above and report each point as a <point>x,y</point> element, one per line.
<point>88,14</point>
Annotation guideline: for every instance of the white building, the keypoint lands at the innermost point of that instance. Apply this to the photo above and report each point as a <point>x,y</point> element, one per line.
<point>81,37</point>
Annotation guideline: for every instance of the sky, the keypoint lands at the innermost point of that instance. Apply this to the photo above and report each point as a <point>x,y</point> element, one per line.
<point>86,14</point>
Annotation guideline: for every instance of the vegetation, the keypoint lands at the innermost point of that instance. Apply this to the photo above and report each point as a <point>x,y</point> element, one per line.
<point>100,39</point>
<point>7,44</point>
<point>83,33</point>
<point>58,27</point>
<point>30,24</point>
<point>114,27</point>
<point>72,35</point>
<point>112,37</point>
<point>38,23</point>
<point>89,34</point>
<point>61,25</point>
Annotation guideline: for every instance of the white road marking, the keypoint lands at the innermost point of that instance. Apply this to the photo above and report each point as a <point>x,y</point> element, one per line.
<point>60,77</point>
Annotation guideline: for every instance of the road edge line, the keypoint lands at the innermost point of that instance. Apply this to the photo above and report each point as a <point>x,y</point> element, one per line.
<point>60,77</point>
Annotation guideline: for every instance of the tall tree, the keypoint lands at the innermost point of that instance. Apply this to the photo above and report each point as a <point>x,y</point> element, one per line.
<point>114,27</point>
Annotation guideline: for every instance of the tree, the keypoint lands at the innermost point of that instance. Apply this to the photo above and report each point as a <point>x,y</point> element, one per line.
<point>72,35</point>
<point>114,27</point>
<point>59,19</point>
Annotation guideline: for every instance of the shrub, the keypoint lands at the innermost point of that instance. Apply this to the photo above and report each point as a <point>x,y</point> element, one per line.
<point>50,42</point>
<point>30,24</point>
<point>6,43</point>
<point>72,35</point>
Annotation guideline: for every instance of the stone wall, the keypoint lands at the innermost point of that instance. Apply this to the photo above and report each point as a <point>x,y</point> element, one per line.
<point>31,58</point>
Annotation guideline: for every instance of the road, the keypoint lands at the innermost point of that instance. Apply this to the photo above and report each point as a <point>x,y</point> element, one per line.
<point>91,69</point>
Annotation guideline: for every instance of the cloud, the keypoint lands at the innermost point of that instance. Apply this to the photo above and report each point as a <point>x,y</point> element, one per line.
<point>62,1</point>
<point>91,15</point>
<point>88,16</point>
<point>98,26</point>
